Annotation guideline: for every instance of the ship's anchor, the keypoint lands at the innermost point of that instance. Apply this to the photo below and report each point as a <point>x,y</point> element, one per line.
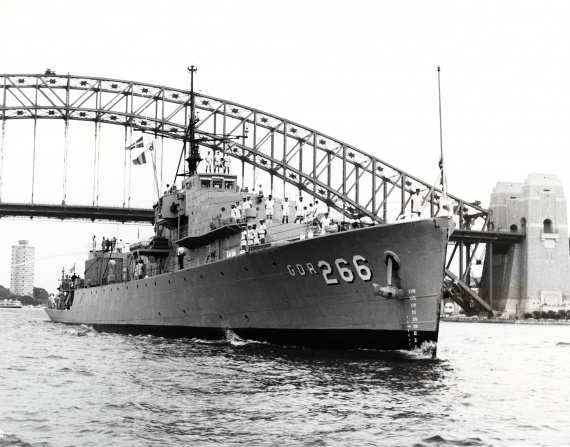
<point>389,290</point>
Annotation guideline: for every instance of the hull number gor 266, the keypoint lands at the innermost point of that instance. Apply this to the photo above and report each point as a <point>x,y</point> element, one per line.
<point>341,268</point>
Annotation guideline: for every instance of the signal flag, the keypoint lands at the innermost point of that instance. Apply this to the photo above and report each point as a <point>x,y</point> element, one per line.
<point>138,143</point>
<point>140,160</point>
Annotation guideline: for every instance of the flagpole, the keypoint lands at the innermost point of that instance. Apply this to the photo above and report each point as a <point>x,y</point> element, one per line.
<point>152,152</point>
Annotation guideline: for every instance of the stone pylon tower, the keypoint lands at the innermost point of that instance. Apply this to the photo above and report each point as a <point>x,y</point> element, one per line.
<point>535,274</point>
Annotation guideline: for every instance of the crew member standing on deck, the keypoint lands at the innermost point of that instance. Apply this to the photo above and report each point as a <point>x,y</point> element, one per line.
<point>250,235</point>
<point>227,163</point>
<point>417,203</point>
<point>181,254</point>
<point>139,269</point>
<point>255,235</point>
<point>208,163</point>
<point>325,222</point>
<point>285,209</point>
<point>249,202</point>
<point>262,231</point>
<point>301,213</point>
<point>269,205</point>
<point>299,209</point>
<point>238,212</point>
<point>244,240</point>
<point>217,162</point>
<point>311,214</point>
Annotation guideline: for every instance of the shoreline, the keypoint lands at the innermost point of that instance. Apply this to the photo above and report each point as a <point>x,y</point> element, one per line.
<point>456,319</point>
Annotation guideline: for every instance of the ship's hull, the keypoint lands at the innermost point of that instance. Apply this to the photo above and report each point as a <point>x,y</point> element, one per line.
<point>315,292</point>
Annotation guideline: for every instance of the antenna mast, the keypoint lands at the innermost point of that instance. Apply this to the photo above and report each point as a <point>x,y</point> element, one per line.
<point>441,165</point>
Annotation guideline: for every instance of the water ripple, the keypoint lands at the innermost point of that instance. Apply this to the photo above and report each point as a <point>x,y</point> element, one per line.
<point>71,386</point>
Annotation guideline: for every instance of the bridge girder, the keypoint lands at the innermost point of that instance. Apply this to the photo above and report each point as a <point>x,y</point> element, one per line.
<point>340,175</point>
<point>76,212</point>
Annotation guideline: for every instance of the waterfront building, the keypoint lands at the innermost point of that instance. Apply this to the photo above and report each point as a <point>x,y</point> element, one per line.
<point>22,272</point>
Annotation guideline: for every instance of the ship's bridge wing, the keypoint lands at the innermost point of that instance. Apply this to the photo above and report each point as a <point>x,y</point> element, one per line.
<point>204,239</point>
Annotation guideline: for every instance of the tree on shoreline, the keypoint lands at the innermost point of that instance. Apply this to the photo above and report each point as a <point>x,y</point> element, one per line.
<point>40,296</point>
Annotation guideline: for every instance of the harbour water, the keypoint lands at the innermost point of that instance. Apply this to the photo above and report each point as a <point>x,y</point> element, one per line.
<point>490,385</point>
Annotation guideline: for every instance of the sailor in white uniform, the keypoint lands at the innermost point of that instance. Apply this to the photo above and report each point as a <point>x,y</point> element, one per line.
<point>269,205</point>
<point>285,210</point>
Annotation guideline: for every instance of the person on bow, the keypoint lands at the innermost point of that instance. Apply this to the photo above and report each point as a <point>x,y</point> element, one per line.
<point>269,205</point>
<point>285,211</point>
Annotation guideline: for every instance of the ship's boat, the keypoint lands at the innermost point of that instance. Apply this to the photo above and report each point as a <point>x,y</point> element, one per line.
<point>10,304</point>
<point>377,286</point>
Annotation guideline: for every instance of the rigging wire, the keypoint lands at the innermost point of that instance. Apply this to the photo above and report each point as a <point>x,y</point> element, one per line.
<point>94,163</point>
<point>34,156</point>
<point>98,159</point>
<point>130,152</point>
<point>125,168</point>
<point>66,144</point>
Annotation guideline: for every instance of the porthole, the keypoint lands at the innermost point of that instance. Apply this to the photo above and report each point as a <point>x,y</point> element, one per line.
<point>184,278</point>
<point>246,269</point>
<point>183,310</point>
<point>246,317</point>
<point>274,263</point>
<point>159,314</point>
<point>222,273</point>
<point>221,318</point>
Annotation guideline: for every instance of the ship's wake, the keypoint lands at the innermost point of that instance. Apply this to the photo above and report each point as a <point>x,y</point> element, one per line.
<point>229,338</point>
<point>428,350</point>
<point>235,340</point>
<point>81,330</point>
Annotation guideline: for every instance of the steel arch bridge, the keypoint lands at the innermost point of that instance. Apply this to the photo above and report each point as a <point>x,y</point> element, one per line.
<point>341,176</point>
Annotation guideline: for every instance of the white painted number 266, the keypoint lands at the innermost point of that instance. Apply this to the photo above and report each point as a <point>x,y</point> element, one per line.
<point>343,267</point>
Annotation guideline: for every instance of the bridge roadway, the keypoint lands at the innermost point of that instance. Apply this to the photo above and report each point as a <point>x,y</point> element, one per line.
<point>485,237</point>
<point>144,215</point>
<point>114,214</point>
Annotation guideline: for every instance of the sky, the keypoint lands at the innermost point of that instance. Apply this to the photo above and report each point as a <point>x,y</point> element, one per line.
<point>363,72</point>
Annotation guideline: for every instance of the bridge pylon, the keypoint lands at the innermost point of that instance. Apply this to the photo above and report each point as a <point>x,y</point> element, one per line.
<point>535,274</point>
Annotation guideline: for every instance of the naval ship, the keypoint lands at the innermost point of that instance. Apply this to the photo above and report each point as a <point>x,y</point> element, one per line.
<point>201,275</point>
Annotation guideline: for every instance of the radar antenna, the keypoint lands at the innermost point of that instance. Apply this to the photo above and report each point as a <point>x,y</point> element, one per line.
<point>190,137</point>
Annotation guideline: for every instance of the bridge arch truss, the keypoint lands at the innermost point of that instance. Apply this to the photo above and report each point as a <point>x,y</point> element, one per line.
<point>343,177</point>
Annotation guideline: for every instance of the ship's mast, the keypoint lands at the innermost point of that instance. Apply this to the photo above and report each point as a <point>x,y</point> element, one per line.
<point>211,140</point>
<point>194,158</point>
